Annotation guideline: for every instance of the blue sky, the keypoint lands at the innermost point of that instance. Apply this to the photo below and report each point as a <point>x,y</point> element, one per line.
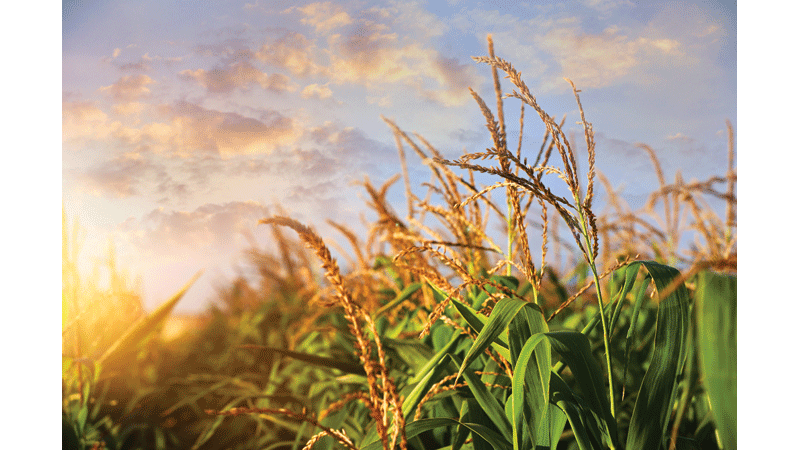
<point>183,123</point>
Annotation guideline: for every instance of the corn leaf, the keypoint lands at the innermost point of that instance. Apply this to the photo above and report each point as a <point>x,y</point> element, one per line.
<point>322,361</point>
<point>566,401</point>
<point>142,328</point>
<point>576,352</point>
<point>531,383</point>
<point>474,414</point>
<point>530,391</point>
<point>716,339</point>
<point>415,353</point>
<point>501,315</point>
<point>426,377</point>
<point>488,402</point>
<point>401,297</point>
<point>654,403</point>
<point>497,441</point>
<point>630,278</point>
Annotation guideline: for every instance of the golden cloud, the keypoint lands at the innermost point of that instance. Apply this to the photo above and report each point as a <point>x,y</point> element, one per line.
<point>323,16</point>
<point>193,128</point>
<point>599,60</point>
<point>316,91</point>
<point>372,55</point>
<point>129,88</point>
<point>239,75</point>
<point>293,52</point>
<point>83,121</point>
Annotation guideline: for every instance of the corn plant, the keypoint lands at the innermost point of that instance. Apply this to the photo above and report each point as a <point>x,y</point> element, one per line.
<point>457,350</point>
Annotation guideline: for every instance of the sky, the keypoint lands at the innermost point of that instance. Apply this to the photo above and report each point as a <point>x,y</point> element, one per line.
<point>184,123</point>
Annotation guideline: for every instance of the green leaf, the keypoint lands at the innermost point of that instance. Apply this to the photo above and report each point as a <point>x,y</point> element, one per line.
<point>69,439</point>
<point>558,420</point>
<point>527,322</point>
<point>488,402</point>
<point>501,315</point>
<point>467,414</point>
<point>142,328</point>
<point>415,353</point>
<point>323,361</point>
<point>426,376</point>
<point>532,384</point>
<point>651,413</point>
<point>530,388</point>
<point>80,421</point>
<point>401,297</point>
<point>716,340</point>
<point>420,426</point>
<point>564,399</point>
<point>211,428</point>
<point>420,385</point>
<point>630,278</point>
<point>576,352</point>
<point>476,321</point>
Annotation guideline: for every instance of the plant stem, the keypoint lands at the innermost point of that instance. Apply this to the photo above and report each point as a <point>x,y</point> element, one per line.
<point>511,234</point>
<point>591,259</point>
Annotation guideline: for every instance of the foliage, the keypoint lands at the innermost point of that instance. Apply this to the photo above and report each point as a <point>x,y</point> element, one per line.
<point>437,336</point>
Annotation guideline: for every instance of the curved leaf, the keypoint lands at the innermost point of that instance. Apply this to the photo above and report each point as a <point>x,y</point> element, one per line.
<point>657,393</point>
<point>716,339</point>
<point>501,315</point>
<point>420,426</point>
<point>401,297</point>
<point>576,351</point>
<point>488,402</point>
<point>565,401</point>
<point>531,388</point>
<point>143,327</point>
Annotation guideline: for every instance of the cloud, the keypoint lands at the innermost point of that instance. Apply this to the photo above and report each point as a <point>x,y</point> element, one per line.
<point>375,48</point>
<point>209,227</point>
<point>455,78</point>
<point>241,75</point>
<point>129,109</point>
<point>294,52</point>
<point>316,91</point>
<point>142,65</point>
<point>129,88</point>
<point>606,6</point>
<point>191,128</point>
<point>82,120</point>
<point>372,54</point>
<point>600,60</point>
<point>469,136</point>
<point>184,129</point>
<point>680,137</point>
<point>323,16</point>
<point>348,141</point>
<point>325,191</point>
<point>121,176</point>
<point>327,152</point>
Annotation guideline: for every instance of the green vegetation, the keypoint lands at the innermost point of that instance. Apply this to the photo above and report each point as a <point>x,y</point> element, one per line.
<point>436,336</point>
